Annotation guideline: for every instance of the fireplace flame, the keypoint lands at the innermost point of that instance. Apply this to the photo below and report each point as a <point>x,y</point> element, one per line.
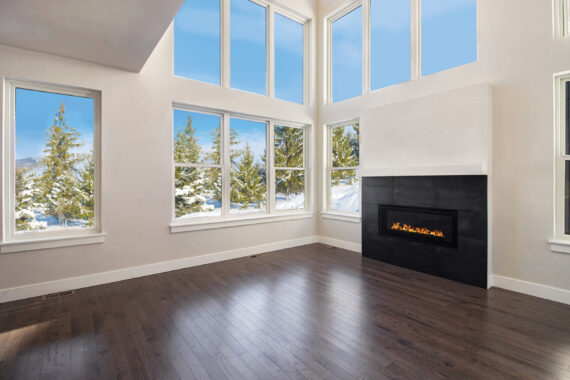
<point>397,226</point>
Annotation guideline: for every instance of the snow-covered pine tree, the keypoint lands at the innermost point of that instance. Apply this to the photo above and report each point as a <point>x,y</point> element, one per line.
<point>343,155</point>
<point>190,190</point>
<point>26,206</point>
<point>88,188</point>
<point>289,154</point>
<point>355,139</point>
<point>248,183</point>
<point>60,188</point>
<point>213,180</point>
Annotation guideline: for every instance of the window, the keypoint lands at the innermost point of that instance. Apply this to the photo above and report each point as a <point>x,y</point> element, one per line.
<point>346,55</point>
<point>561,18</point>
<point>289,45</point>
<point>449,34</point>
<point>197,41</point>
<point>52,162</point>
<point>562,158</point>
<point>389,43</point>
<point>344,152</point>
<point>248,46</point>
<point>225,167</point>
<point>289,153</point>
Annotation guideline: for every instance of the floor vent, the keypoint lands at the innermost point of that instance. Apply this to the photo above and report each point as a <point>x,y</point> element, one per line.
<point>58,295</point>
<point>254,256</point>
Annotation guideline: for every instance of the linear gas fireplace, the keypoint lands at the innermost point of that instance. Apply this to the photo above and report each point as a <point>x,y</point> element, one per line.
<point>431,224</point>
<point>427,225</point>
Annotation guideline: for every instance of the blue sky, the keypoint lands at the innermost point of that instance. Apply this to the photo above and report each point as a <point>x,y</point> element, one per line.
<point>252,132</point>
<point>35,113</point>
<point>347,56</point>
<point>203,124</point>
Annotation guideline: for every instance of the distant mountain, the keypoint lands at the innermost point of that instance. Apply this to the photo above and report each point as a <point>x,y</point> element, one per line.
<point>26,162</point>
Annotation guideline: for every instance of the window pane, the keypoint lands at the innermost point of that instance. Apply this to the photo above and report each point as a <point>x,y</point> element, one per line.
<point>567,112</point>
<point>247,44</point>
<point>197,41</point>
<point>288,59</point>
<point>345,193</point>
<point>347,56</point>
<point>567,198</point>
<point>248,154</point>
<point>196,138</point>
<point>55,171</point>
<point>345,146</point>
<point>288,147</point>
<point>289,189</point>
<point>389,42</point>
<point>449,34</point>
<point>198,192</point>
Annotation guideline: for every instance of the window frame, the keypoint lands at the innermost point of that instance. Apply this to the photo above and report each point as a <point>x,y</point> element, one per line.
<point>328,211</point>
<point>415,46</point>
<point>561,18</point>
<point>225,53</point>
<point>560,158</point>
<point>12,241</point>
<point>227,219</point>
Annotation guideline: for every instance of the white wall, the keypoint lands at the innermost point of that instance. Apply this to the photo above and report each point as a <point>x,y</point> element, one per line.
<point>137,171</point>
<point>518,56</point>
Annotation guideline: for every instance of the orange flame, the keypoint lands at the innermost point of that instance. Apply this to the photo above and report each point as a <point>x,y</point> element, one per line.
<point>396,226</point>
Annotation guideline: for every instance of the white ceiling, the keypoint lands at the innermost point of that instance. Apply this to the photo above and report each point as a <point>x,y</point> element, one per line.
<point>119,33</point>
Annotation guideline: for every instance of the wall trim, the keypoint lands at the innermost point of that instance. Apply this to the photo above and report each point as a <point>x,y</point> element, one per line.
<point>348,245</point>
<point>530,288</point>
<point>39,289</point>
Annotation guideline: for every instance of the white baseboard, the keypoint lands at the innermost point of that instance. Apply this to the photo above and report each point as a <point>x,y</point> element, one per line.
<point>356,247</point>
<point>40,289</point>
<point>530,288</point>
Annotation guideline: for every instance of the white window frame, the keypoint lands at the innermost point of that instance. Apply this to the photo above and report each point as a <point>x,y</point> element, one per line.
<point>561,18</point>
<point>271,8</point>
<point>328,211</point>
<point>415,45</point>
<point>31,240</point>
<point>227,219</point>
<point>560,242</point>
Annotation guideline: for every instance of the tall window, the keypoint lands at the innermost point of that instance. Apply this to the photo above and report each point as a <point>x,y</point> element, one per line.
<point>449,34</point>
<point>51,145</point>
<point>346,65</point>
<point>389,42</point>
<point>248,46</point>
<point>344,156</point>
<point>289,46</point>
<point>197,41</point>
<point>289,153</point>
<point>562,159</point>
<point>223,166</point>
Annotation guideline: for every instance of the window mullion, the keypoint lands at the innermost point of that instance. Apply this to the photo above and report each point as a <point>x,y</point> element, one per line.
<point>270,49</point>
<point>225,43</point>
<point>365,47</point>
<point>270,167</point>
<point>226,165</point>
<point>415,39</point>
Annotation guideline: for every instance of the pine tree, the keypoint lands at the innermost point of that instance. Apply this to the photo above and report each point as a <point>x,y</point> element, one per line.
<point>289,154</point>
<point>26,206</point>
<point>88,189</point>
<point>343,155</point>
<point>60,188</point>
<point>213,180</point>
<point>189,182</point>
<point>248,183</point>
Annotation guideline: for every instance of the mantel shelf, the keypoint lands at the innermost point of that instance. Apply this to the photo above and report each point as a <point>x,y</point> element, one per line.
<point>422,171</point>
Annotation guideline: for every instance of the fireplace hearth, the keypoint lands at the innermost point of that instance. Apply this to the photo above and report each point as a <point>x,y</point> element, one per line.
<point>432,224</point>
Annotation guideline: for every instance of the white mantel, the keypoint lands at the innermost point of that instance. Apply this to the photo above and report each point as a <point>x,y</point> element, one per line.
<point>475,169</point>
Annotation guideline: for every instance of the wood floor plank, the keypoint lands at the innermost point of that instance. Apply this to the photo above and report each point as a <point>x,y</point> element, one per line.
<point>311,312</point>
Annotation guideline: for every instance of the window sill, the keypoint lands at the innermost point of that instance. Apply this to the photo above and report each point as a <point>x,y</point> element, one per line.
<point>51,242</point>
<point>561,246</point>
<point>345,217</point>
<point>199,225</point>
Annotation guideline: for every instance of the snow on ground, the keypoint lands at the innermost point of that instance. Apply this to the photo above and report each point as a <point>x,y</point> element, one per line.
<point>346,197</point>
<point>295,201</point>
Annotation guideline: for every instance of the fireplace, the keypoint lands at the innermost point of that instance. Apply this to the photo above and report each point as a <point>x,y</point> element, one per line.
<point>427,225</point>
<point>432,224</point>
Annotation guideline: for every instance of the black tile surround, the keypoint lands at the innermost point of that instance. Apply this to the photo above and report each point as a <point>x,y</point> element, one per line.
<point>467,194</point>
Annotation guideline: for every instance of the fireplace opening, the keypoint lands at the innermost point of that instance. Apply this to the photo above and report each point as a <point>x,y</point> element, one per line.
<point>427,225</point>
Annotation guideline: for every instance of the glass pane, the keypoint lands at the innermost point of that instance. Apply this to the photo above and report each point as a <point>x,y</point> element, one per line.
<point>196,138</point>
<point>55,171</point>
<point>197,41</point>
<point>288,147</point>
<point>345,193</point>
<point>389,42</point>
<point>449,34</point>
<point>567,121</point>
<point>289,189</point>
<point>247,44</point>
<point>198,192</point>
<point>248,166</point>
<point>288,59</point>
<point>345,146</point>
<point>347,56</point>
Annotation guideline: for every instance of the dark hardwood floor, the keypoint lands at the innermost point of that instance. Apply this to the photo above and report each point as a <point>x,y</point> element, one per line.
<point>308,312</point>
